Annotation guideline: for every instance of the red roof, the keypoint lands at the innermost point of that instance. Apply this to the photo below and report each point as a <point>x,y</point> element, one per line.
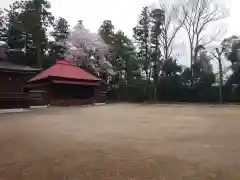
<point>65,69</point>
<point>76,82</point>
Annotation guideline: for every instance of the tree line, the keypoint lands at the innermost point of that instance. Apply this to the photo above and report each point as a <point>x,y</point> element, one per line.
<point>145,67</point>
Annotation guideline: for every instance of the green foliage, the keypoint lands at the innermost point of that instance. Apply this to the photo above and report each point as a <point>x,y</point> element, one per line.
<point>142,37</point>
<point>140,69</point>
<point>231,46</point>
<point>58,47</point>
<point>61,30</point>
<point>122,57</point>
<point>36,19</point>
<point>106,31</point>
<point>1,24</point>
<point>126,63</point>
<point>171,68</point>
<point>26,30</point>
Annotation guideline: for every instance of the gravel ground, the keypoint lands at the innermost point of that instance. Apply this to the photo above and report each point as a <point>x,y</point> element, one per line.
<point>121,142</point>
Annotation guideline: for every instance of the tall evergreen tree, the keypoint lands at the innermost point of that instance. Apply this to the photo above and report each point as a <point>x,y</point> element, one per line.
<point>58,46</point>
<point>142,36</point>
<point>14,34</point>
<point>106,31</point>
<point>126,62</point>
<point>1,23</point>
<point>25,31</point>
<point>231,47</point>
<point>158,16</point>
<point>36,18</point>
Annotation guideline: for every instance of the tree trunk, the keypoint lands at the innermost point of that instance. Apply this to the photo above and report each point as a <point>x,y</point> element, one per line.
<point>166,44</point>
<point>191,65</point>
<point>39,56</point>
<point>38,43</point>
<point>221,80</point>
<point>155,71</point>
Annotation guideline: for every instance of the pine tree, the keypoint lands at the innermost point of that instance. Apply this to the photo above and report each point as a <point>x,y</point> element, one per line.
<point>126,61</point>
<point>106,31</point>
<point>142,36</point>
<point>36,18</point>
<point>13,33</point>
<point>122,51</point>
<point>58,47</point>
<point>1,24</point>
<point>158,16</point>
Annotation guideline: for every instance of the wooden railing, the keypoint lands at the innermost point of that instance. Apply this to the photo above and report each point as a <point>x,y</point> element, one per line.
<point>14,100</point>
<point>12,96</point>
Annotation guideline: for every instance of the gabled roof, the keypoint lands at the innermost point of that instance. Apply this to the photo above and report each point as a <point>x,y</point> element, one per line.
<point>65,69</point>
<point>6,65</point>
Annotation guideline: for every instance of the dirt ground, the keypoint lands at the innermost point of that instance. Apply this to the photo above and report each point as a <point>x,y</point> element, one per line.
<point>122,142</point>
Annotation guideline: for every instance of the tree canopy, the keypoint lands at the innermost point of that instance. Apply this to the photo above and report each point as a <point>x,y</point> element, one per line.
<point>133,67</point>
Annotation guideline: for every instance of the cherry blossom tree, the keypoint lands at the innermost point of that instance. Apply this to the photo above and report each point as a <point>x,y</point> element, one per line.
<point>88,50</point>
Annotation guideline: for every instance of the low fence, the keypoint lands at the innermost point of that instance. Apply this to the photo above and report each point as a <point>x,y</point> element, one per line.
<point>14,100</point>
<point>38,98</point>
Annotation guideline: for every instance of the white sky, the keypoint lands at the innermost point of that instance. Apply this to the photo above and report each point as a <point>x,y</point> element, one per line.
<point>123,13</point>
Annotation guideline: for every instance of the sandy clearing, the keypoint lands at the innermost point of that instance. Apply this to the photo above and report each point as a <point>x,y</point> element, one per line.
<point>121,141</point>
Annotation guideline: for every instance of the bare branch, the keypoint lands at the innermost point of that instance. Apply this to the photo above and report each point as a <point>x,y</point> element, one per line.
<point>211,40</point>
<point>198,15</point>
<point>214,55</point>
<point>171,27</point>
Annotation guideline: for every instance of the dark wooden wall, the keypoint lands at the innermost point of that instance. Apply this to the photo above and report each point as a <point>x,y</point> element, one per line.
<point>68,91</point>
<point>11,101</point>
<point>13,82</point>
<point>11,90</point>
<point>67,95</point>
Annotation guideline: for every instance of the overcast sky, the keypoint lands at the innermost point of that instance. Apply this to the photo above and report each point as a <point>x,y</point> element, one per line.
<point>123,13</point>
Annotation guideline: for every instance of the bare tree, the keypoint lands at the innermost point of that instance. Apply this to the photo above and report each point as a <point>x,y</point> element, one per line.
<point>218,53</point>
<point>171,27</point>
<point>198,15</point>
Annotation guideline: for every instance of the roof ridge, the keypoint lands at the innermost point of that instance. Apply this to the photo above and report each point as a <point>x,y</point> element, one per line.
<point>66,62</point>
<point>65,69</point>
